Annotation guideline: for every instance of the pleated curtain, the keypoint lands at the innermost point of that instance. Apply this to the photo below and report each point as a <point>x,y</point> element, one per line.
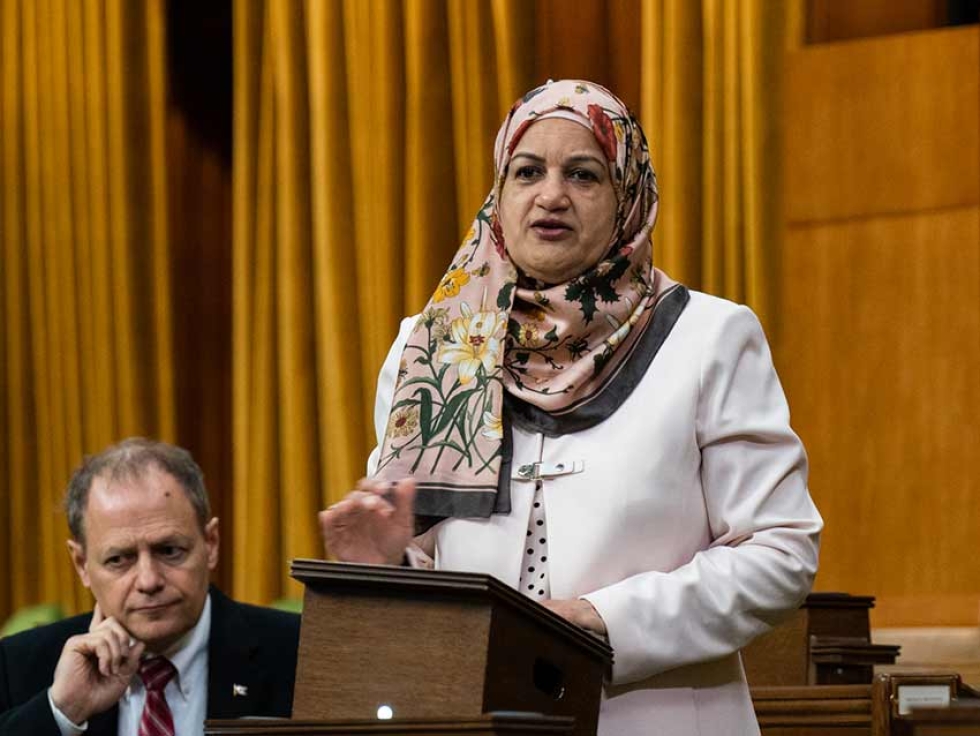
<point>711,104</point>
<point>363,149</point>
<point>363,134</point>
<point>363,139</point>
<point>85,334</point>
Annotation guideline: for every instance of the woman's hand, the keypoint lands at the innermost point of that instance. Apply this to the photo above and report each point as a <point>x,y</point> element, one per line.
<point>580,612</point>
<point>373,524</point>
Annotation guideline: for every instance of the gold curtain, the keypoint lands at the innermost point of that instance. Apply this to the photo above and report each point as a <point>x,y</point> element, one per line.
<point>362,139</point>
<point>364,131</point>
<point>711,104</point>
<point>85,339</point>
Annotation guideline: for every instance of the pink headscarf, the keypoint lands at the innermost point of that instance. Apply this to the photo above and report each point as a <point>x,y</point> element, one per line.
<point>558,356</point>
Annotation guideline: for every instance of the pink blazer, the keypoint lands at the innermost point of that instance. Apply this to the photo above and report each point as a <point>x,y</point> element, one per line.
<point>689,526</point>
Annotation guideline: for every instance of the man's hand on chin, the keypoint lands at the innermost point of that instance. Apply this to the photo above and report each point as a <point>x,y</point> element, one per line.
<point>95,669</point>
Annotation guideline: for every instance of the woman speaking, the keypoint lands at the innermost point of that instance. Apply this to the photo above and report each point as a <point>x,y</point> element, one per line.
<point>568,419</point>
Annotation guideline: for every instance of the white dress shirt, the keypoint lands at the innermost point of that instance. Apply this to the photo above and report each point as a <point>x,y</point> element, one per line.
<point>186,693</point>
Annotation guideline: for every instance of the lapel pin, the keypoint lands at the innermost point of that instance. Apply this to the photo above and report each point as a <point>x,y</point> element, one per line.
<point>239,690</point>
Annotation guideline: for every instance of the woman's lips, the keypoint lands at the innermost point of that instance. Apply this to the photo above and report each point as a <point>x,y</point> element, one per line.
<point>550,229</point>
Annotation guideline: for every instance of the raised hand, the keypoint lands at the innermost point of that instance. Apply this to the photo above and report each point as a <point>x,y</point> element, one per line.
<point>95,669</point>
<point>373,524</point>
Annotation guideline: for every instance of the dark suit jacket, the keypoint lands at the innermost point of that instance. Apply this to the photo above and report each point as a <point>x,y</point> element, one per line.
<point>250,646</point>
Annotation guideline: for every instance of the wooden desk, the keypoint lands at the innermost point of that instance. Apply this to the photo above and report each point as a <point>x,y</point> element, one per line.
<point>865,710</point>
<point>826,642</point>
<point>489,724</point>
<point>961,716</point>
<point>814,710</point>
<point>944,722</point>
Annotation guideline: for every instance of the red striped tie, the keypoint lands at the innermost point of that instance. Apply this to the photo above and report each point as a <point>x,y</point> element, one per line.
<point>157,720</point>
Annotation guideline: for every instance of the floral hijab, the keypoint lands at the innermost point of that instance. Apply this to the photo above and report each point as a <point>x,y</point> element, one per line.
<point>494,347</point>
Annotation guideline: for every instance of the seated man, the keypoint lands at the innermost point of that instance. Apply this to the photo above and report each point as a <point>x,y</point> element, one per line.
<point>161,651</point>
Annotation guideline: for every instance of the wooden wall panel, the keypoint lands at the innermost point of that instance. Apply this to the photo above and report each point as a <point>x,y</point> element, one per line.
<point>833,20</point>
<point>883,125</point>
<point>880,358</point>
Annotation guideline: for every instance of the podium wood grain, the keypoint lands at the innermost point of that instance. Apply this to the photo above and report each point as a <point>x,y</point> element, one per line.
<point>486,725</point>
<point>429,644</point>
<point>814,710</point>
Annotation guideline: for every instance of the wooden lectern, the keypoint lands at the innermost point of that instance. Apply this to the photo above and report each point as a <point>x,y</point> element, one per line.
<point>826,642</point>
<point>437,644</point>
<point>502,724</point>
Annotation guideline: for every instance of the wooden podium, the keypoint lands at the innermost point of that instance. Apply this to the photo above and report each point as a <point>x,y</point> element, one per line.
<point>500,724</point>
<point>826,642</point>
<point>435,645</point>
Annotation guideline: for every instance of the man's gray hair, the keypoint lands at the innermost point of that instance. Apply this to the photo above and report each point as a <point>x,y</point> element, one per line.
<point>129,460</point>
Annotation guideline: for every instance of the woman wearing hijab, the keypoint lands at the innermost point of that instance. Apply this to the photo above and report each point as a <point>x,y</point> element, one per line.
<point>566,418</point>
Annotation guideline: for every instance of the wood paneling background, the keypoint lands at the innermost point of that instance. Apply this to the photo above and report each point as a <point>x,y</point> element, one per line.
<point>879,339</point>
<point>882,126</point>
<point>835,20</point>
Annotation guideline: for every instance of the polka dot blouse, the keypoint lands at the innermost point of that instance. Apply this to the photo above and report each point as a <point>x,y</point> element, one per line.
<point>534,568</point>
